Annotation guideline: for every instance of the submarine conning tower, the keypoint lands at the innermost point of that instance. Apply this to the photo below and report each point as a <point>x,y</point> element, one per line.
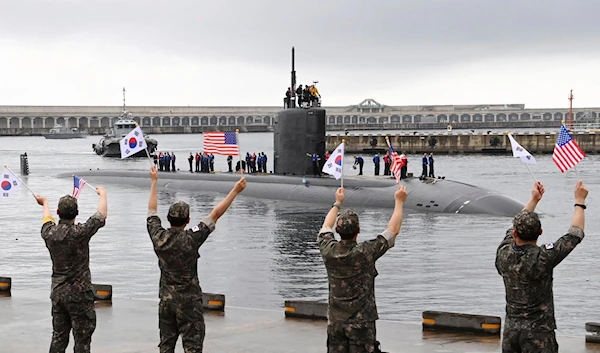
<point>298,131</point>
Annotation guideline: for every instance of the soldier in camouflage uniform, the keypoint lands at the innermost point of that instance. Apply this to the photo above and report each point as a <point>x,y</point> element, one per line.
<point>180,310</point>
<point>527,271</point>
<point>72,294</point>
<point>351,273</point>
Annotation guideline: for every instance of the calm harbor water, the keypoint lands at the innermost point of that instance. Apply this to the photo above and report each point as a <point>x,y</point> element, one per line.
<point>264,252</point>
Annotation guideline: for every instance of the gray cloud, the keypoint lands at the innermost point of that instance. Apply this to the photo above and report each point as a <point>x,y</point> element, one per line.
<point>412,34</point>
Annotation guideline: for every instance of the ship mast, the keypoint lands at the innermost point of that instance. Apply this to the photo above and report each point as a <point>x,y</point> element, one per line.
<point>571,110</point>
<point>123,99</point>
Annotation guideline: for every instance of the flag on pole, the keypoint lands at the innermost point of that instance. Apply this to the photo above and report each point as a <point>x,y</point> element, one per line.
<point>566,151</point>
<point>224,143</point>
<point>78,184</point>
<point>335,163</point>
<point>395,162</point>
<point>519,151</point>
<point>9,184</point>
<point>133,143</point>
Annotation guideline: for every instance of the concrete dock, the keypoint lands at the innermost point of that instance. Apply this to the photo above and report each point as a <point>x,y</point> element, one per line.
<point>131,326</point>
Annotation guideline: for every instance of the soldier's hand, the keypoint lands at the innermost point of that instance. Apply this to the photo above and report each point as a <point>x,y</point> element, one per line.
<point>41,200</point>
<point>340,194</point>
<point>240,185</point>
<point>100,191</point>
<point>580,192</point>
<point>400,194</point>
<point>153,173</point>
<point>537,191</point>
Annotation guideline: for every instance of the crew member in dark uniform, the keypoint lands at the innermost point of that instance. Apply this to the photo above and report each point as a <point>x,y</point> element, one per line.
<point>431,174</point>
<point>376,162</point>
<point>299,95</point>
<point>359,160</point>
<point>315,162</point>
<point>527,270</point>
<point>72,294</point>
<point>424,162</point>
<point>229,161</point>
<point>242,166</point>
<point>191,162</point>
<point>173,162</point>
<point>180,309</point>
<point>351,274</point>
<point>264,161</point>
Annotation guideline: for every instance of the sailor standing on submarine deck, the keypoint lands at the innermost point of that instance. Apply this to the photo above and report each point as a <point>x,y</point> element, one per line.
<point>180,311</point>
<point>351,274</point>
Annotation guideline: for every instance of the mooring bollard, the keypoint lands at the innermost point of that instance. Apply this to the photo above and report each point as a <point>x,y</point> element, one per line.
<point>457,322</point>
<point>5,284</point>
<point>24,164</point>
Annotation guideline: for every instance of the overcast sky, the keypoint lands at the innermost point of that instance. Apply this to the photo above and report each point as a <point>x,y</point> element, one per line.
<point>238,52</point>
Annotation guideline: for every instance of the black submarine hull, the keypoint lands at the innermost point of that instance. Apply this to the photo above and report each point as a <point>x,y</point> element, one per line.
<point>430,196</point>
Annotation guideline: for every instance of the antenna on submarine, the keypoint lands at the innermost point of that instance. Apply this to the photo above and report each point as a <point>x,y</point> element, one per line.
<point>292,103</point>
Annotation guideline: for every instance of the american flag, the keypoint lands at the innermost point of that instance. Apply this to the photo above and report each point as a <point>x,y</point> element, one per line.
<point>224,143</point>
<point>566,151</point>
<point>78,184</point>
<point>395,162</point>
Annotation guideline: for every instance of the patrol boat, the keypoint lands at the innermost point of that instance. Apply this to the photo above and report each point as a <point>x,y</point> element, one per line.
<point>110,144</point>
<point>64,132</point>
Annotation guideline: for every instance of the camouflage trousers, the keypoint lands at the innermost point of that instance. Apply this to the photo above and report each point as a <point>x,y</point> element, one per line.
<point>351,338</point>
<point>529,342</point>
<point>75,311</point>
<point>185,318</point>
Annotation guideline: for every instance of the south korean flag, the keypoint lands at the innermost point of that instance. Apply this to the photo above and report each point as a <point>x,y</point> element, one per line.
<point>133,143</point>
<point>9,184</point>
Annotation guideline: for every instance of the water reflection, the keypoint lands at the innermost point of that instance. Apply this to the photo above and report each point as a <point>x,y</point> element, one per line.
<point>298,266</point>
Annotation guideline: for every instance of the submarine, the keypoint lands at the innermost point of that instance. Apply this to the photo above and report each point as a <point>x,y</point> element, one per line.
<point>298,131</point>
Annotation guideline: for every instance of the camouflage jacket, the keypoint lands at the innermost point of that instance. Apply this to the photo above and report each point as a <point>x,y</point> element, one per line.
<point>68,245</point>
<point>527,274</point>
<point>351,273</point>
<point>177,252</point>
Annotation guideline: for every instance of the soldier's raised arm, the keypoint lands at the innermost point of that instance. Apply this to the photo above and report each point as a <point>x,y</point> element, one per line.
<point>537,192</point>
<point>554,253</point>
<point>102,204</point>
<point>220,209</point>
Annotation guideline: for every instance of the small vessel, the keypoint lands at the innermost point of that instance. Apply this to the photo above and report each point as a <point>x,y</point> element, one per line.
<point>110,144</point>
<point>64,132</point>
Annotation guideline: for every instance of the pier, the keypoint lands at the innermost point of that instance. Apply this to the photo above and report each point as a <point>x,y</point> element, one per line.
<point>455,143</point>
<point>131,325</point>
<point>366,115</point>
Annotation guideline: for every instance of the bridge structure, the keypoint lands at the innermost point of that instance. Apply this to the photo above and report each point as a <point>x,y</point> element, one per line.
<point>365,113</point>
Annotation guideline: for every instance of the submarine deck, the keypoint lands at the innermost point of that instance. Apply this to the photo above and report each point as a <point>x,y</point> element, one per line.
<point>131,325</point>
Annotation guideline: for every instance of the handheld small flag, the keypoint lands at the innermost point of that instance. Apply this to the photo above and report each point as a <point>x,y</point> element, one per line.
<point>566,151</point>
<point>519,151</point>
<point>9,184</point>
<point>133,143</point>
<point>78,184</point>
<point>395,161</point>
<point>335,163</point>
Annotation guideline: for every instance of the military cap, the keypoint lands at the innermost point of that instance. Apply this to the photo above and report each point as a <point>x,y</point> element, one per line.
<point>527,224</point>
<point>179,209</point>
<point>67,206</point>
<point>347,222</point>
